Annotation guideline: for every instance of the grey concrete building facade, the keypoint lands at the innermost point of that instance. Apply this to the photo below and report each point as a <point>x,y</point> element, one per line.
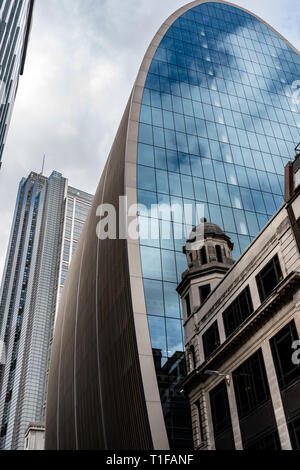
<point>242,339</point>
<point>35,437</point>
<point>16,19</point>
<point>36,258</point>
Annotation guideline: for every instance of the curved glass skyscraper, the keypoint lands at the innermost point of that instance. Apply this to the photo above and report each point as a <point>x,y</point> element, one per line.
<point>211,123</point>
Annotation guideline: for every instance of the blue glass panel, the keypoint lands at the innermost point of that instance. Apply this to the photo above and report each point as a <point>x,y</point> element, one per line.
<point>253,179</point>
<point>169,266</point>
<point>187,187</point>
<point>184,163</point>
<point>269,203</point>
<point>146,178</point>
<point>244,242</point>
<point>247,199</point>
<point>230,173</point>
<point>160,158</point>
<point>172,300</point>
<point>215,215</point>
<point>151,261</point>
<point>146,134</point>
<point>158,137</point>
<point>149,231</point>
<point>190,125</point>
<point>170,140</point>
<point>158,335</point>
<point>166,234</point>
<point>179,122</point>
<point>196,166</point>
<point>204,148</point>
<point>181,259</point>
<point>154,297</point>
<point>146,155</point>
<point>219,171</point>
<point>175,186</point>
<point>157,118</point>
<point>240,222</point>
<point>229,224</point>
<point>200,191</point>
<point>242,176</point>
<point>235,196</point>
<point>208,170</point>
<point>211,191</point>
<point>146,115</point>
<point>252,223</point>
<point>278,201</point>
<point>236,248</point>
<point>162,181</point>
<point>224,194</point>
<point>174,336</point>
<point>258,201</point>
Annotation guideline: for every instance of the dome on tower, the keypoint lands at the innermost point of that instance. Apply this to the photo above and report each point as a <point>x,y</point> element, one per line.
<point>207,229</point>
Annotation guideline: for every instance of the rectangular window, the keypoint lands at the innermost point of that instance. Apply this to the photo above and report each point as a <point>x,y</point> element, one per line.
<point>8,396</point>
<point>267,442</point>
<point>70,205</point>
<point>81,211</point>
<point>251,384</point>
<point>66,250</point>
<point>188,305</point>
<point>281,345</point>
<point>211,339</point>
<point>240,309</point>
<point>3,430</point>
<point>269,278</point>
<point>204,292</point>
<point>221,418</point>
<point>254,404</point>
<point>68,228</point>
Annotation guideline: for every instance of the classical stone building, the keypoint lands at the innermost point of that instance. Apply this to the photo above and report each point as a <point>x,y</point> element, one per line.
<point>242,328</point>
<point>35,437</point>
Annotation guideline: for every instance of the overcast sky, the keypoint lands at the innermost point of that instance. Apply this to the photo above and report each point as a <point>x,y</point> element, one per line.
<point>82,61</point>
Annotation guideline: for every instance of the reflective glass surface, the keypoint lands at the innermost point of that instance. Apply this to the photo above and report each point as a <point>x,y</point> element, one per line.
<point>218,124</point>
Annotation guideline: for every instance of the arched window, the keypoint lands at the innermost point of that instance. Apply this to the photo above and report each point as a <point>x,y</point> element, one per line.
<point>203,255</point>
<point>219,254</point>
<point>191,257</point>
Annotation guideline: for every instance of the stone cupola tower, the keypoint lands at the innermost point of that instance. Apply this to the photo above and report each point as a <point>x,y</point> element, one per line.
<point>209,257</point>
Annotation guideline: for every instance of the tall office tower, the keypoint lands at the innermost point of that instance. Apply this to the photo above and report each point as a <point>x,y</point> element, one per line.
<point>49,215</point>
<point>210,122</point>
<point>78,204</point>
<point>15,24</point>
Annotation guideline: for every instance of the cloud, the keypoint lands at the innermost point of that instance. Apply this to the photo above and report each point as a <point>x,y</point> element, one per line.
<point>83,59</point>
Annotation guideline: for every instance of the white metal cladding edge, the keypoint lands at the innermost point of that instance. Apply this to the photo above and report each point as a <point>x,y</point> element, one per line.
<point>156,420</point>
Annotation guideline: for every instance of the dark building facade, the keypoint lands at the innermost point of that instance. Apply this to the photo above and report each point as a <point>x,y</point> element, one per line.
<point>208,125</point>
<point>16,19</point>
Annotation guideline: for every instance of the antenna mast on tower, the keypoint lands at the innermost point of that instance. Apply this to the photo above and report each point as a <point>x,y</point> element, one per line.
<point>43,167</point>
